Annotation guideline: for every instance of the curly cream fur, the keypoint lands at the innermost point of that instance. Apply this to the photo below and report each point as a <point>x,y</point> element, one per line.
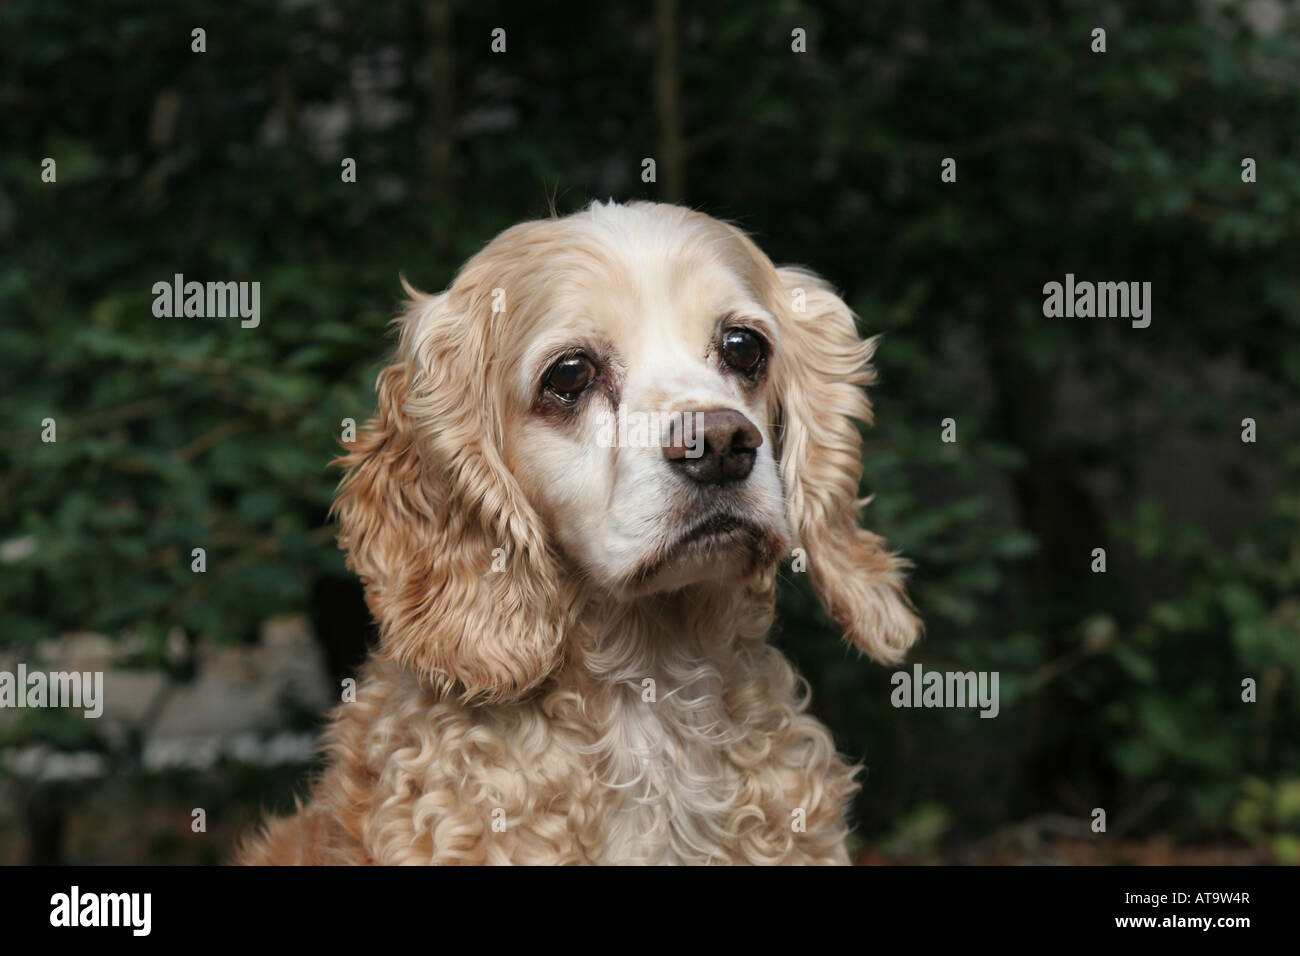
<point>529,717</point>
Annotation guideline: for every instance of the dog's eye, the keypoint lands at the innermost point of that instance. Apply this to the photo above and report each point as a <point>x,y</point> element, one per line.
<point>742,350</point>
<point>569,376</point>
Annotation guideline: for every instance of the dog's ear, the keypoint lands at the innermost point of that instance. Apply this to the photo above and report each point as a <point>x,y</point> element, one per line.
<point>454,559</point>
<point>819,373</point>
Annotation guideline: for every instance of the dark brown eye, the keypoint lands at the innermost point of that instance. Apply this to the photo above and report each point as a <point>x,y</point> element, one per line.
<point>569,376</point>
<point>742,350</point>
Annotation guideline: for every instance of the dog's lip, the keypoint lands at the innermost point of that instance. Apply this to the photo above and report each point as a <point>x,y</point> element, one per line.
<point>717,526</point>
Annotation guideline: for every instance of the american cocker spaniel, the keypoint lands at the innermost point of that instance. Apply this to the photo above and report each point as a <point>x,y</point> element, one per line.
<point>591,455</point>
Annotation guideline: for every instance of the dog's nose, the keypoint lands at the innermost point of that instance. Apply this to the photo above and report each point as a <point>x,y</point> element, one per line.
<point>713,448</point>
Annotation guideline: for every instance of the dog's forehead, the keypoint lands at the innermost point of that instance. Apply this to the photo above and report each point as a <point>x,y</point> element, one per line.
<point>666,295</point>
<point>642,290</point>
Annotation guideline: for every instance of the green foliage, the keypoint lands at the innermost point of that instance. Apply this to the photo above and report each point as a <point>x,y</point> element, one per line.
<point>1270,813</point>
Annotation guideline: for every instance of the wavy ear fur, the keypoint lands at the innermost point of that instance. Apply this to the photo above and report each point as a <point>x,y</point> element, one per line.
<point>454,561</point>
<point>821,369</point>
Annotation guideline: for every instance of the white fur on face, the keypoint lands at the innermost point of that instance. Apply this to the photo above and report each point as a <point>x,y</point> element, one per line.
<point>642,294</point>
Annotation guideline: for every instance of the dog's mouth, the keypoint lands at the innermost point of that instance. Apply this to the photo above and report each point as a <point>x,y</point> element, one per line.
<point>717,536</point>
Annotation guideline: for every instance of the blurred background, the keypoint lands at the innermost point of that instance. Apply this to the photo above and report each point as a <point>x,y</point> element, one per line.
<point>1120,690</point>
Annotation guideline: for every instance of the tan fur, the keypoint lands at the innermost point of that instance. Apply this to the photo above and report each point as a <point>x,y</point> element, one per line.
<point>530,715</point>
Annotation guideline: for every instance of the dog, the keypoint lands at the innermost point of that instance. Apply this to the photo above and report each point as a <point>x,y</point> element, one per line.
<point>573,664</point>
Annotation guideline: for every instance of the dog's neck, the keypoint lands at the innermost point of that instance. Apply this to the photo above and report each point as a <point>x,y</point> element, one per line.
<point>652,677</point>
<point>664,636</point>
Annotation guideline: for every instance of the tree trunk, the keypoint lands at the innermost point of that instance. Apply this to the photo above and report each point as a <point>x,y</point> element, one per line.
<point>668,101</point>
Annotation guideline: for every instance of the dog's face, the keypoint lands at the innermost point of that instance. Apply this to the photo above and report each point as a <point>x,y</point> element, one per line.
<point>628,401</point>
<point>640,420</point>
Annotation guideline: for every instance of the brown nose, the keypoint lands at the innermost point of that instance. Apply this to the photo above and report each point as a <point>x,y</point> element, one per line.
<point>713,448</point>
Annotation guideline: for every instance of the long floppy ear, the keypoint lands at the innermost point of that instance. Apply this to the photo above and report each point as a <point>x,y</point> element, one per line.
<point>453,558</point>
<point>822,366</point>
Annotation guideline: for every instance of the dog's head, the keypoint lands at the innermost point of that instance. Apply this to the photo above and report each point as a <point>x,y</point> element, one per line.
<point>627,401</point>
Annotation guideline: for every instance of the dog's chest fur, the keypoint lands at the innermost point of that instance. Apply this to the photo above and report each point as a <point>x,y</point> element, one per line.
<point>674,772</point>
<point>700,757</point>
<point>664,763</point>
